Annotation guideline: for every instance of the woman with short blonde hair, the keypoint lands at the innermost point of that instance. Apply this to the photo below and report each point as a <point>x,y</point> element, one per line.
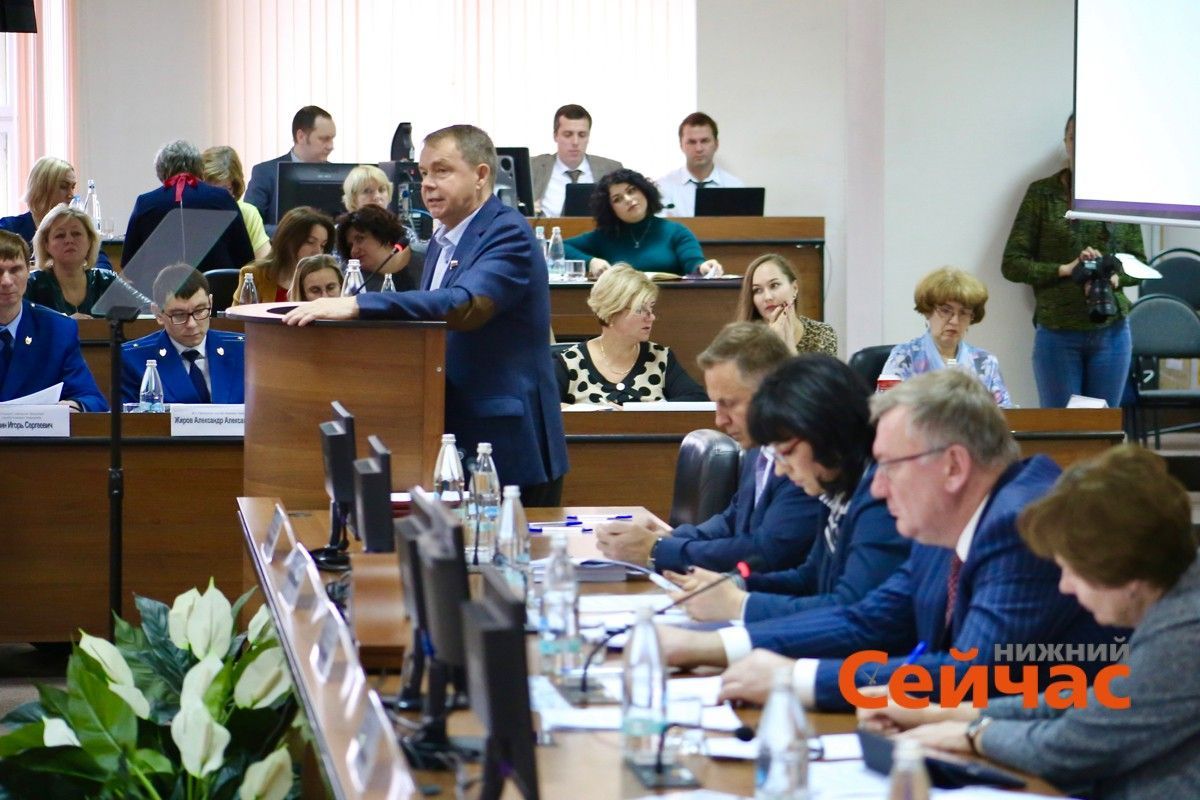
<point>64,248</point>
<point>951,300</point>
<point>622,365</point>
<point>366,184</point>
<point>223,168</point>
<point>51,181</point>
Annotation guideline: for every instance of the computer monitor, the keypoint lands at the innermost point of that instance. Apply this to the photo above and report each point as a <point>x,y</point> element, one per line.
<point>337,451</point>
<point>514,179</point>
<point>578,200</point>
<point>373,499</point>
<point>497,666</point>
<point>745,201</point>
<point>317,184</point>
<point>409,531</point>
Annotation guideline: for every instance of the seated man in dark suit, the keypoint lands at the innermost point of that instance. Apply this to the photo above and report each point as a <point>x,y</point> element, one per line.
<point>196,364</point>
<point>950,472</point>
<point>178,164</point>
<point>486,277</point>
<point>815,408</point>
<point>769,516</point>
<point>312,141</point>
<point>38,347</point>
<point>551,172</point>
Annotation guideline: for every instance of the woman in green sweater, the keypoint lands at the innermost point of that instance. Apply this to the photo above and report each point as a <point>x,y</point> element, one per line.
<point>624,205</point>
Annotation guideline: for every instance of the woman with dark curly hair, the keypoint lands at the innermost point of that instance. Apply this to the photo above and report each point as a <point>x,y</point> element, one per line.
<point>375,236</point>
<point>624,205</point>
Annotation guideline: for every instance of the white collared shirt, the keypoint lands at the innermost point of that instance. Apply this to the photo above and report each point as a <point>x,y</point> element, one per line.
<point>16,321</point>
<point>556,188</point>
<point>448,240</point>
<point>201,362</point>
<point>678,189</point>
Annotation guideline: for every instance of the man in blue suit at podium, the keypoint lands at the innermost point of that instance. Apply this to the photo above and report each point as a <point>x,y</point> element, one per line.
<point>197,365</point>
<point>39,347</point>
<point>486,277</point>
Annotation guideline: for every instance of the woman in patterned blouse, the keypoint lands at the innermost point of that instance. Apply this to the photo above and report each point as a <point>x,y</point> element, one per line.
<point>950,300</point>
<point>770,294</point>
<point>622,365</point>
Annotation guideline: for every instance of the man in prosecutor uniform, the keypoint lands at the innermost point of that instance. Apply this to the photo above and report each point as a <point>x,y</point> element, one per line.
<point>486,277</point>
<point>197,365</point>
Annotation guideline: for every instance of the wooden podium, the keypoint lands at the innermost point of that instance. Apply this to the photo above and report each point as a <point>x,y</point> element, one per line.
<point>390,375</point>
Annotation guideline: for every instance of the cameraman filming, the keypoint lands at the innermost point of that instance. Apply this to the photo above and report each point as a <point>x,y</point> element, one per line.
<point>1082,343</point>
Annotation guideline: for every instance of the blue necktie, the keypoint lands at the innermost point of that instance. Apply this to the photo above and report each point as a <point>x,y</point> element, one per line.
<point>6,351</point>
<point>196,375</point>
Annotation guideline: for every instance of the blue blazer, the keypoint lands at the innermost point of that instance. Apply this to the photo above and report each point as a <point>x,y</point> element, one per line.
<point>868,551</point>
<point>779,528</point>
<point>224,351</point>
<point>22,225</point>
<point>500,385</point>
<point>260,192</point>
<point>1006,595</point>
<point>232,249</point>
<point>45,352</point>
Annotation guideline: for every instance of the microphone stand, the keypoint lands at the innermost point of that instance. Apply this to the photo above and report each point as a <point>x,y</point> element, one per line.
<point>117,317</point>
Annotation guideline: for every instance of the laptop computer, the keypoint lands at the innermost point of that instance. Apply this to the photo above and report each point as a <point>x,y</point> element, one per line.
<point>745,201</point>
<point>578,200</point>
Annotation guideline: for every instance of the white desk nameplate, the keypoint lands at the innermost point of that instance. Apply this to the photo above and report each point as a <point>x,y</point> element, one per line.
<point>332,654</point>
<point>34,421</point>
<point>362,755</point>
<point>298,591</point>
<point>279,523</point>
<point>208,419</point>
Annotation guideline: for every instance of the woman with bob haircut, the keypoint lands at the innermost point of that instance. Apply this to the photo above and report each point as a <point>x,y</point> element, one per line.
<point>376,237</point>
<point>65,244</point>
<point>950,300</point>
<point>303,231</point>
<point>624,204</point>
<point>51,182</point>
<point>1120,527</point>
<point>770,295</point>
<point>811,415</point>
<point>622,365</point>
<point>366,185</point>
<point>223,168</point>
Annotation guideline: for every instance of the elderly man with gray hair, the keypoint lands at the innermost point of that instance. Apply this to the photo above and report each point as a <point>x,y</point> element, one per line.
<point>950,472</point>
<point>179,165</point>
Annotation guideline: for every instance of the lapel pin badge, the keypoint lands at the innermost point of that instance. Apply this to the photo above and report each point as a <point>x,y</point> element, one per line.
<point>28,340</point>
<point>453,263</point>
<point>220,351</point>
<point>162,353</point>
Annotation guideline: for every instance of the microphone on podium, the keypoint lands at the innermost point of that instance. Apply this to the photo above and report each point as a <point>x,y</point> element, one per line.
<point>743,570</point>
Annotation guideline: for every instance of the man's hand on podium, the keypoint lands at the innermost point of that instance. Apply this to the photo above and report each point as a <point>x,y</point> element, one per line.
<point>335,308</point>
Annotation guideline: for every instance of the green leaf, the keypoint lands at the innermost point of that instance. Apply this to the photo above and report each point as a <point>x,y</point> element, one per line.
<point>105,724</point>
<point>154,619</point>
<point>22,738</point>
<point>218,692</point>
<point>257,732</point>
<point>126,637</point>
<point>241,601</point>
<point>25,714</point>
<point>54,700</point>
<point>153,761</point>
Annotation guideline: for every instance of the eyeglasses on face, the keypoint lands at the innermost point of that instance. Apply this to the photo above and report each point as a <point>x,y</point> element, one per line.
<point>182,317</point>
<point>886,466</point>
<point>950,312</point>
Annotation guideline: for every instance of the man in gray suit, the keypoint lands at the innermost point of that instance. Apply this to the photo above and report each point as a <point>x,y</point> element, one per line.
<point>552,172</point>
<point>312,140</point>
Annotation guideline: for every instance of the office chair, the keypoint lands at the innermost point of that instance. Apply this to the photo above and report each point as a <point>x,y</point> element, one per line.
<point>1161,326</point>
<point>706,476</point>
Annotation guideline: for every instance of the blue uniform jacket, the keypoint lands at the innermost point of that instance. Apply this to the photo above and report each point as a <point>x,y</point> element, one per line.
<point>779,528</point>
<point>224,351</point>
<point>500,385</point>
<point>231,251</point>
<point>45,352</point>
<point>868,550</point>
<point>1006,595</point>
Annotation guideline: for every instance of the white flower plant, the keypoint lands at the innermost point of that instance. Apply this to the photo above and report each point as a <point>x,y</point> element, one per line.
<point>182,708</point>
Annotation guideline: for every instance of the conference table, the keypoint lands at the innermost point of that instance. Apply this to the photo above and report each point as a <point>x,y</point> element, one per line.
<point>577,759</point>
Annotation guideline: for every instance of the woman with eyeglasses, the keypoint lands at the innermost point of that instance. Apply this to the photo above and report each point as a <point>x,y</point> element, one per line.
<point>622,365</point>
<point>624,204</point>
<point>950,300</point>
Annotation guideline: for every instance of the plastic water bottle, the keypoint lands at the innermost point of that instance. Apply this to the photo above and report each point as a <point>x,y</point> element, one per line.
<point>644,693</point>
<point>512,542</point>
<point>556,255</point>
<point>91,204</point>
<point>388,284</point>
<point>909,779</point>
<point>559,643</point>
<point>485,508</point>
<point>249,293</point>
<point>353,283</point>
<point>782,772</point>
<point>448,482</point>
<point>150,396</point>
<point>539,233</point>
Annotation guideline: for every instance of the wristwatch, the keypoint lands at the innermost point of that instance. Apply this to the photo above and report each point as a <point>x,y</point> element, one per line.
<point>974,730</point>
<point>650,562</point>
